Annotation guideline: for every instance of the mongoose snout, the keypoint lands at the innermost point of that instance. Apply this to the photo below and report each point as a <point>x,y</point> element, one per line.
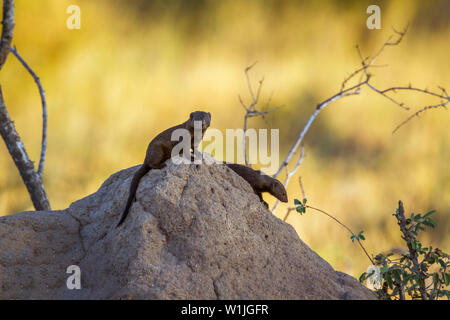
<point>279,191</point>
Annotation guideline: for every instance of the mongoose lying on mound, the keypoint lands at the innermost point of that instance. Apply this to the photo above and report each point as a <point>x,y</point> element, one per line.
<point>260,182</point>
<point>160,149</point>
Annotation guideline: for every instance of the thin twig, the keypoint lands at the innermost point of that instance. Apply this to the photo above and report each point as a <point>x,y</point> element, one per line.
<point>251,110</point>
<point>289,209</point>
<point>289,174</point>
<point>417,113</point>
<point>44,110</point>
<point>301,187</point>
<point>349,230</point>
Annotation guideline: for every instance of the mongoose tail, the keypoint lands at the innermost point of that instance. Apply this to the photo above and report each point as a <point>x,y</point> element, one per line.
<point>133,187</point>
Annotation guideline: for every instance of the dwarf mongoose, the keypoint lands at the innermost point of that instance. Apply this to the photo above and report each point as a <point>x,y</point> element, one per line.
<point>260,182</point>
<point>160,149</point>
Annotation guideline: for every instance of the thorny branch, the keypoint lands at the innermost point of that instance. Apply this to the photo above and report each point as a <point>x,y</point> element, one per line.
<point>367,63</point>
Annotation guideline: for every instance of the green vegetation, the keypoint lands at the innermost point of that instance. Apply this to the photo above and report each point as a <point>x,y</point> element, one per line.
<point>419,273</point>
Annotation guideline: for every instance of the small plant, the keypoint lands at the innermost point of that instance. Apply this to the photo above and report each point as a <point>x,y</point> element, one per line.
<point>419,273</point>
<point>411,274</point>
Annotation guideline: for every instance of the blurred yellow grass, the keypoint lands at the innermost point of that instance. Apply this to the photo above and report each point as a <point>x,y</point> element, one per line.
<point>125,76</point>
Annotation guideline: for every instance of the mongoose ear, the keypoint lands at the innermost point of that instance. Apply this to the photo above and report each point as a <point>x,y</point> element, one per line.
<point>191,115</point>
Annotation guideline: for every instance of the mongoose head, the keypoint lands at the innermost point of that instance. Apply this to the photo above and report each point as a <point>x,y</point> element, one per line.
<point>277,189</point>
<point>204,117</point>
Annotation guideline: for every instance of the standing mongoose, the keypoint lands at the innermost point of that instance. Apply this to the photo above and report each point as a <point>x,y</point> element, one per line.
<point>260,182</point>
<point>159,151</point>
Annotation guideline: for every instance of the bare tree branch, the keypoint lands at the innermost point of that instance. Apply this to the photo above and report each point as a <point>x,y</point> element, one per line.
<point>367,63</point>
<point>251,110</point>
<point>8,132</point>
<point>416,114</point>
<point>292,208</point>
<point>301,187</point>
<point>343,93</point>
<point>346,89</point>
<point>44,111</point>
<point>289,174</point>
<point>7,31</point>
<point>288,211</point>
<point>17,151</point>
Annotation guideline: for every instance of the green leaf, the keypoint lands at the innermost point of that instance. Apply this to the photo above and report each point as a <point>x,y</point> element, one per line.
<point>388,279</point>
<point>300,208</point>
<point>430,222</point>
<point>297,202</point>
<point>447,278</point>
<point>397,275</point>
<point>406,278</point>
<point>363,277</point>
<point>378,256</point>
<point>435,279</point>
<point>429,213</point>
<point>420,282</point>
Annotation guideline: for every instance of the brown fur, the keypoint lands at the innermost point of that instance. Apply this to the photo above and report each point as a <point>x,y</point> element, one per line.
<point>260,182</point>
<point>159,151</point>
